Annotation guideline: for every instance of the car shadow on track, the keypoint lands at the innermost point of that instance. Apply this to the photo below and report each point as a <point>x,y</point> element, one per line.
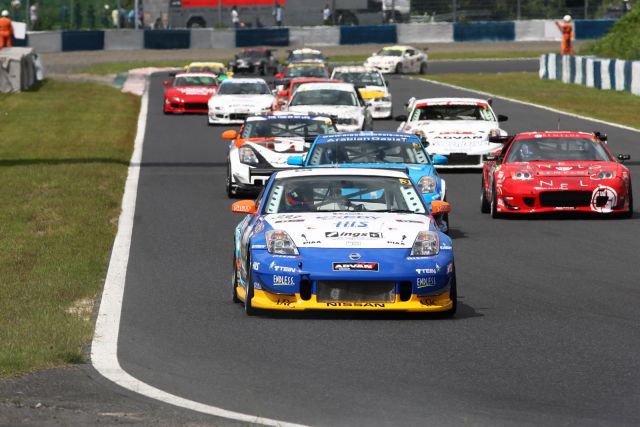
<point>464,312</point>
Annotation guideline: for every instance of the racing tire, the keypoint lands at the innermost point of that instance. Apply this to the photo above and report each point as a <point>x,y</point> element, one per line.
<point>399,69</point>
<point>494,203</point>
<point>453,296</point>
<point>629,213</point>
<point>485,206</point>
<point>234,281</point>
<point>423,68</point>
<point>249,292</point>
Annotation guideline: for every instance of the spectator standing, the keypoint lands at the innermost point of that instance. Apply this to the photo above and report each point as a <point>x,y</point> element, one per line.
<point>115,17</point>
<point>566,28</point>
<point>326,15</point>
<point>5,29</point>
<point>131,16</point>
<point>235,17</point>
<point>277,14</point>
<point>33,16</point>
<point>626,6</point>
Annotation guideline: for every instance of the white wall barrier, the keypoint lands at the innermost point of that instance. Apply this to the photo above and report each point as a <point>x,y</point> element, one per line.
<point>435,32</point>
<point>314,36</point>
<point>599,73</point>
<point>123,40</point>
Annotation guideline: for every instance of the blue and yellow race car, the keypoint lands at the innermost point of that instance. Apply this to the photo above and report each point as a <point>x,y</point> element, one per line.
<point>342,239</point>
<point>389,150</point>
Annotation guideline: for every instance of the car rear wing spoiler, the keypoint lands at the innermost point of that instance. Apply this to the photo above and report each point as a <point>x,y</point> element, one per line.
<point>264,173</point>
<point>504,140</point>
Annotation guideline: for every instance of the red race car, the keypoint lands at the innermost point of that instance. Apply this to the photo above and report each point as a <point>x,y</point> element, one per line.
<point>283,96</point>
<point>189,92</point>
<point>556,171</point>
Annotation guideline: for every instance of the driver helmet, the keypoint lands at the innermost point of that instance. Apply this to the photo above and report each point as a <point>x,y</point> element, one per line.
<point>528,151</point>
<point>567,18</point>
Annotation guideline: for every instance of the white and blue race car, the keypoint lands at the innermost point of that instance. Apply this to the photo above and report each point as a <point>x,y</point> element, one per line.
<point>342,239</point>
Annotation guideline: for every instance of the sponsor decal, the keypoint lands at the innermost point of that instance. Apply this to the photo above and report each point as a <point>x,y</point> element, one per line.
<point>354,256</point>
<point>412,221</point>
<point>259,246</point>
<point>352,235</point>
<point>356,304</point>
<point>285,302</point>
<point>426,270</point>
<point>283,280</point>
<point>352,243</point>
<point>282,221</point>
<point>355,266</point>
<point>450,268</point>
<point>404,181</point>
<point>401,242</point>
<point>255,265</point>
<point>351,224</point>
<point>309,242</point>
<point>446,247</point>
<point>604,199</point>
<point>425,282</point>
<point>273,266</point>
<point>257,285</point>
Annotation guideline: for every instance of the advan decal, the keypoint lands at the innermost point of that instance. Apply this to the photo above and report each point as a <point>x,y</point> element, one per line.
<point>604,199</point>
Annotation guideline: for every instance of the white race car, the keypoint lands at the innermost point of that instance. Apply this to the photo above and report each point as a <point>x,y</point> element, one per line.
<point>372,87</point>
<point>399,60</point>
<point>340,101</point>
<point>264,144</point>
<point>306,55</point>
<point>458,128</point>
<point>238,99</point>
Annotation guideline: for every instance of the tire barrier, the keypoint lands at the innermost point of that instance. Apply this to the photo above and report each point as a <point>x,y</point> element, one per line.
<point>598,73</point>
<point>361,34</point>
<point>262,37</point>
<point>82,40</point>
<point>167,39</point>
<point>484,31</point>
<point>208,38</point>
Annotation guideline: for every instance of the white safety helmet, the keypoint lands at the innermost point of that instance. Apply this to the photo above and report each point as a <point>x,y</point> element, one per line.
<point>5,13</point>
<point>567,18</point>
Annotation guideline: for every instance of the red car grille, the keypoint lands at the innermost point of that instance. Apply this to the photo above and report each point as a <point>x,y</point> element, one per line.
<point>565,199</point>
<point>462,159</point>
<point>196,106</point>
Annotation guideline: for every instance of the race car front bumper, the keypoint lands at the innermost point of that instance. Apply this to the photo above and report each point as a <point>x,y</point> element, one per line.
<point>516,197</point>
<point>383,68</point>
<point>185,107</point>
<point>218,117</point>
<point>380,109</point>
<point>312,281</point>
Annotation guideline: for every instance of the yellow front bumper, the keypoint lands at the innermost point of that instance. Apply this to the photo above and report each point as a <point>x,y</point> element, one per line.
<point>269,301</point>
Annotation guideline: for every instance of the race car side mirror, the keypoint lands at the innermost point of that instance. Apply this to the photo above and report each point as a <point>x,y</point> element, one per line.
<point>374,54</point>
<point>623,157</point>
<point>438,207</point>
<point>439,159</point>
<point>401,118</point>
<point>502,118</point>
<point>279,76</point>
<point>244,207</point>
<point>295,161</point>
<point>490,157</point>
<point>229,134</point>
<point>283,93</point>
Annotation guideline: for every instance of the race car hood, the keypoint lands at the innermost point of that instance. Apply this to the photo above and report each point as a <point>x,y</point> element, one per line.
<point>276,151</point>
<point>351,229</point>
<point>470,136</point>
<point>328,110</point>
<point>192,93</point>
<point>564,169</point>
<point>372,92</point>
<point>384,59</point>
<point>241,101</point>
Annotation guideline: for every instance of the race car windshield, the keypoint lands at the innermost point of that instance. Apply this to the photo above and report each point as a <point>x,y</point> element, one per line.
<point>550,149</point>
<point>453,112</point>
<point>195,81</point>
<point>306,72</point>
<point>206,69</point>
<point>301,57</point>
<point>244,89</point>
<point>288,128</point>
<point>368,152</point>
<point>360,78</point>
<point>324,97</point>
<point>252,54</point>
<point>390,52</point>
<point>343,194</point>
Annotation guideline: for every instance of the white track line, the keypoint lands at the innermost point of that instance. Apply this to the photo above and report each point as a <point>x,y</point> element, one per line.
<point>529,104</point>
<point>104,348</point>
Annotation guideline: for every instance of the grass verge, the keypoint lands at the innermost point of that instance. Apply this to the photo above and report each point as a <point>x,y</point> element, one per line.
<point>64,153</point>
<point>609,105</point>
<point>123,67</point>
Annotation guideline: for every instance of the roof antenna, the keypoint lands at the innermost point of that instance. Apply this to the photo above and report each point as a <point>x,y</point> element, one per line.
<point>558,123</point>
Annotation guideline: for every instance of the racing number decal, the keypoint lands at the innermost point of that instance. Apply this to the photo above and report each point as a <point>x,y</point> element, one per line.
<point>604,199</point>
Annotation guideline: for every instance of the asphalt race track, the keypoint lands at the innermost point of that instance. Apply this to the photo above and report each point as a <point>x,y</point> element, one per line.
<point>547,331</point>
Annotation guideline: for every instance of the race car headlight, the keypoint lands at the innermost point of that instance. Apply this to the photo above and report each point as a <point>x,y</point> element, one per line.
<point>522,175</point>
<point>606,174</point>
<point>427,184</point>
<point>427,243</point>
<point>385,99</point>
<point>247,156</point>
<point>279,242</point>
<point>176,99</point>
